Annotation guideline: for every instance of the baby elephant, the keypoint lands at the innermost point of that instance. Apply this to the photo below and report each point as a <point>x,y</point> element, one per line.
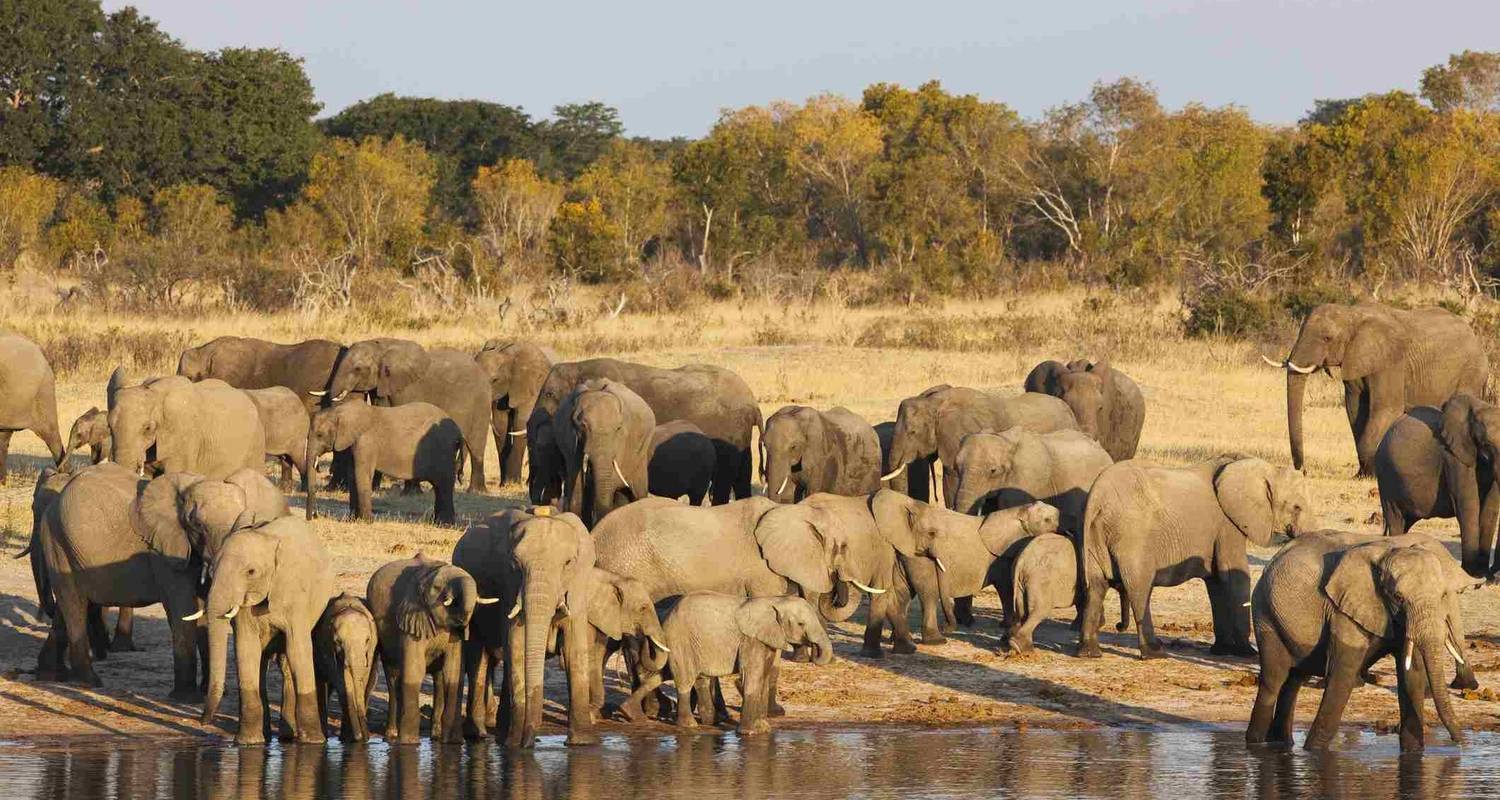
<point>344,659</point>
<point>1044,579</point>
<point>682,461</point>
<point>91,430</point>
<point>713,635</point>
<point>413,441</point>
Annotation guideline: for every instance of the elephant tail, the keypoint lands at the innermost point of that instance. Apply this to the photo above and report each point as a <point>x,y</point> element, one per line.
<point>41,579</point>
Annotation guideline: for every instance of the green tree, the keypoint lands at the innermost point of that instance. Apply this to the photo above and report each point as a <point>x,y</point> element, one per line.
<point>634,190</point>
<point>47,51</point>
<point>26,202</point>
<point>515,206</point>
<point>373,196</point>
<point>833,148</point>
<point>577,134</point>
<point>583,242</point>
<point>1470,80</point>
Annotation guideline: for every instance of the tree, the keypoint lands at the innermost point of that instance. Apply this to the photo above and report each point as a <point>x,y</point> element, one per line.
<point>633,189</point>
<point>584,242</point>
<point>833,148</point>
<point>47,50</point>
<point>515,206</point>
<point>577,134</point>
<point>1205,191</point>
<point>26,202</point>
<point>1470,80</point>
<point>373,195</point>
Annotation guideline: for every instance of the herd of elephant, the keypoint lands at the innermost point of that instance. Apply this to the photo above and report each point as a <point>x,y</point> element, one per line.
<point>1041,496</point>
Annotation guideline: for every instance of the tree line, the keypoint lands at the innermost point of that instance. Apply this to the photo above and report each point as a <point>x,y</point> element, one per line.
<point>158,173</point>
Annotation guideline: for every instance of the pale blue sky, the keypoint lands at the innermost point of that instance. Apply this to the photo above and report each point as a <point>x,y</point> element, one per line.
<point>669,66</point>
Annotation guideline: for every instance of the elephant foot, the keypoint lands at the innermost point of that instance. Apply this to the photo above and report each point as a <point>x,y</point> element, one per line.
<point>1241,650</point>
<point>1122,626</point>
<point>582,739</point>
<point>776,710</point>
<point>186,694</point>
<point>755,728</point>
<point>933,638</point>
<point>1464,681</point>
<point>1153,652</point>
<point>473,731</point>
<point>311,737</point>
<point>253,738</point>
<point>123,643</point>
<point>869,651</point>
<point>1088,650</point>
<point>687,724</point>
<point>631,711</point>
<point>904,647</point>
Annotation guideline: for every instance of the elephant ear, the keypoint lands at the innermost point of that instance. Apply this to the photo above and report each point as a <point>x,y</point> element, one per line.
<point>1244,491</point>
<point>606,606</point>
<point>895,517</point>
<point>414,607</point>
<point>1455,579</point>
<point>401,365</point>
<point>760,619</point>
<point>1040,518</point>
<point>1377,343</point>
<point>578,579</point>
<point>1043,377</point>
<point>263,501</point>
<point>1457,427</point>
<point>177,417</point>
<point>794,547</point>
<point>1352,589</point>
<point>156,518</point>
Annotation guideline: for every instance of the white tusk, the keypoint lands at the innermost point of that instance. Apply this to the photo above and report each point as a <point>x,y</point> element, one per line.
<point>448,601</point>
<point>516,433</point>
<point>1267,359</point>
<point>195,615</point>
<point>317,392</point>
<point>1453,651</point>
<point>1409,646</point>
<point>616,465</point>
<point>659,645</point>
<point>782,487</point>
<point>342,395</point>
<point>940,566</point>
<point>867,589</point>
<point>484,601</point>
<point>230,614</point>
<point>1300,370</point>
<point>515,610</point>
<point>893,473</point>
<point>1247,604</point>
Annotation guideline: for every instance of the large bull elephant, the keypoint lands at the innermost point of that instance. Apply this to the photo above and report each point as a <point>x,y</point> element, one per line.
<point>931,426</point>
<point>807,451</point>
<point>1331,604</point>
<point>28,397</point>
<point>247,363</point>
<point>172,424</point>
<point>396,371</point>
<point>1109,405</point>
<point>715,399</point>
<point>516,370</point>
<point>604,432</point>
<point>1389,360</point>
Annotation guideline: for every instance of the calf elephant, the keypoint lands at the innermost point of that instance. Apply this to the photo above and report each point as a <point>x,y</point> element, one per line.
<point>1014,467</point>
<point>1108,405</point>
<point>1441,463</point>
<point>28,397</point>
<point>247,363</point>
<point>396,372</point>
<point>344,643</point>
<point>1044,579</point>
<point>1147,525</point>
<point>682,462</point>
<point>1389,360</point>
<point>414,441</point>
<point>285,419</point>
<point>91,430</point>
<point>715,399</point>
<point>174,425</point>
<point>516,370</point>
<point>1332,604</point>
<point>806,451</point>
<point>603,431</point>
<point>931,426</point>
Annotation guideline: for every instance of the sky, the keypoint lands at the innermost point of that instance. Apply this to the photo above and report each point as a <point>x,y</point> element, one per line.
<point>671,66</point>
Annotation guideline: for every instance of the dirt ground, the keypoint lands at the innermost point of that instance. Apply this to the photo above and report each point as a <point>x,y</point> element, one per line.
<point>966,680</point>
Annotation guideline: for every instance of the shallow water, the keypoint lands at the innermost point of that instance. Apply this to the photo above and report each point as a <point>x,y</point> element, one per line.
<point>912,764</point>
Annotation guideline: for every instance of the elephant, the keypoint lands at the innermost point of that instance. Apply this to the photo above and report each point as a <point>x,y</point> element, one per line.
<point>106,541</point>
<point>1332,604</point>
<point>805,451</point>
<point>397,372</point>
<point>91,430</point>
<point>603,430</point>
<point>516,370</point>
<point>344,644</point>
<point>623,617</point>
<point>422,609</point>
<point>174,425</point>
<point>715,399</point>
<point>541,565</point>
<point>1147,525</point>
<point>1108,405</point>
<point>931,426</point>
<point>284,416</point>
<point>1000,470</point>
<point>279,574</point>
<point>28,397</point>
<point>719,635</point>
<point>682,462</point>
<point>1044,579</point>
<point>1389,359</point>
<point>245,363</point>
<point>1441,463</point>
<point>413,441</point>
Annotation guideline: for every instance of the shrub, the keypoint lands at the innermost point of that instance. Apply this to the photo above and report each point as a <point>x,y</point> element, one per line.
<point>583,242</point>
<point>1226,312</point>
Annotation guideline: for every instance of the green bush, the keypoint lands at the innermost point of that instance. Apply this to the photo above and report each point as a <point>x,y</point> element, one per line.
<point>1227,313</point>
<point>1299,301</point>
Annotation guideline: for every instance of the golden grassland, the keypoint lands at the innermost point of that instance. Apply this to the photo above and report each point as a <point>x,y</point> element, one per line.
<point>1204,396</point>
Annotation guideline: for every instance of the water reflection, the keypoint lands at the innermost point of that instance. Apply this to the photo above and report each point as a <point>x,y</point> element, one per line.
<point>876,762</point>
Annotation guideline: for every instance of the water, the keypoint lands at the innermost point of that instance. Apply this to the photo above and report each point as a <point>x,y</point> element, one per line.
<point>885,762</point>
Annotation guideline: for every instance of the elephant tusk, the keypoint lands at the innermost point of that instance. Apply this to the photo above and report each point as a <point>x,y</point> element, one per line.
<point>616,464</point>
<point>193,616</point>
<point>448,601</point>
<point>1276,364</point>
<point>940,566</point>
<point>782,487</point>
<point>514,610</point>
<point>1410,645</point>
<point>893,473</point>
<point>562,605</point>
<point>1246,604</point>
<point>231,612</point>
<point>867,589</point>
<point>484,601</point>
<point>1301,370</point>
<point>1453,651</point>
<point>516,433</point>
<point>342,395</point>
<point>659,645</point>
<point>317,392</point>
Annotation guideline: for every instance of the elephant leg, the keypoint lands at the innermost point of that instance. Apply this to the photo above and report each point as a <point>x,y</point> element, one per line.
<point>685,679</point>
<point>707,696</point>
<point>896,614</point>
<point>963,611</point>
<point>632,709</point>
<point>411,487</point>
<point>393,696</point>
<point>1234,586</point>
<point>413,670</point>
<point>1092,616</point>
<point>773,673</point>
<point>1138,590</point>
<point>477,672</point>
<point>726,471</point>
<point>287,721</point>
<point>250,665</point>
<point>1489,519</point>
<point>98,634</point>
<point>74,612</point>
<point>746,470</point>
<point>1387,402</point>
<point>361,503</point>
<point>515,676</point>
<point>442,500</point>
<point>285,483</point>
<point>4,454</point>
<point>1275,668</point>
<point>1286,708</point>
<point>447,725</point>
<point>1357,408</point>
<point>875,626</point>
<point>297,663</point>
<point>1411,692</point>
<point>1124,623</point>
<point>757,665</point>
<point>124,640</point>
<point>578,640</point>
<point>477,480</point>
<point>1343,678</point>
<point>602,649</point>
<point>52,437</point>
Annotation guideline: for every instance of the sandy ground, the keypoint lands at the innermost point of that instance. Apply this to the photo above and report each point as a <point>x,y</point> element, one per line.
<point>966,680</point>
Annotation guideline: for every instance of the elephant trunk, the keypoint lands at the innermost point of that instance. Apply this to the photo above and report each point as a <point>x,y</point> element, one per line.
<point>818,638</point>
<point>218,662</point>
<point>356,678</point>
<point>779,484</point>
<point>314,452</point>
<point>540,604</point>
<point>602,493</point>
<point>945,587</point>
<point>969,496</point>
<point>840,604</point>
<point>1426,634</point>
<point>1296,390</point>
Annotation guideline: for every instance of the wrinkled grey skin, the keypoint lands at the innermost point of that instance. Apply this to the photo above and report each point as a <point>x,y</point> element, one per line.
<point>603,431</point>
<point>1044,580</point>
<point>422,608</point>
<point>174,425</point>
<point>516,371</point>
<point>1014,467</point>
<point>1148,525</point>
<point>715,635</point>
<point>931,426</point>
<point>28,397</point>
<point>1440,463</point>
<point>715,399</point>
<point>91,430</point>
<point>284,416</point>
<point>395,372</point>
<point>1332,604</point>
<point>246,363</point>
<point>344,645</point>
<point>682,462</point>
<point>1389,360</point>
<point>413,441</point>
<point>1108,405</point>
<point>806,451</point>
<point>273,580</point>
<point>541,568</point>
